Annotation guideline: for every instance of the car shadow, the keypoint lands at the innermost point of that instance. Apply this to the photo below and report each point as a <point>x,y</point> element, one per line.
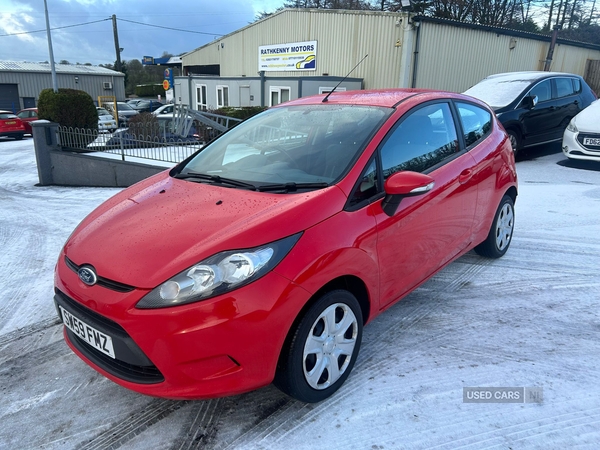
<point>531,153</point>
<point>580,164</point>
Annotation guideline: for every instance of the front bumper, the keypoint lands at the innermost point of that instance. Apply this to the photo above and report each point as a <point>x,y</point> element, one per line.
<point>574,150</point>
<point>221,346</point>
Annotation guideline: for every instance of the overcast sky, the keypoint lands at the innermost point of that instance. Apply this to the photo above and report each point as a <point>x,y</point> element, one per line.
<point>94,43</point>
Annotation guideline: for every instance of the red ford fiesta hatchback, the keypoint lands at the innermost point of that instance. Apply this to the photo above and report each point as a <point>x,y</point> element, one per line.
<point>260,258</point>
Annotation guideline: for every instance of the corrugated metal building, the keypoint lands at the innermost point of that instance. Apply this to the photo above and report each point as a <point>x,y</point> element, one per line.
<point>21,83</point>
<point>404,51</point>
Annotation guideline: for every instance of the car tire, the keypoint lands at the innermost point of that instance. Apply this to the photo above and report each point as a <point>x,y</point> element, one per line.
<point>18,137</point>
<point>501,231</point>
<point>515,140</point>
<point>321,348</point>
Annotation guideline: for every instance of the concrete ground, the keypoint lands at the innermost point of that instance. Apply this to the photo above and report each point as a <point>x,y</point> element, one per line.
<point>531,318</point>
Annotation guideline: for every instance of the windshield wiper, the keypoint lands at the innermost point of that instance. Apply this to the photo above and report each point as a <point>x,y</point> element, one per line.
<point>291,187</point>
<point>216,179</point>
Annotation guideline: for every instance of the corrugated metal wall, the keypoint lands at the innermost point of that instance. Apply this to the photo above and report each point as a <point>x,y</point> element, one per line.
<point>454,59</point>
<point>592,74</point>
<point>32,83</point>
<point>451,58</point>
<point>343,38</point>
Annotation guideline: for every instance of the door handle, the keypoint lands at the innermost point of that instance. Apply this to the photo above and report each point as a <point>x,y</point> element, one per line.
<point>465,176</point>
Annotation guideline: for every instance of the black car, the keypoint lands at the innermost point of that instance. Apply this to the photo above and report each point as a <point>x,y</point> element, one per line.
<point>534,107</point>
<point>147,106</point>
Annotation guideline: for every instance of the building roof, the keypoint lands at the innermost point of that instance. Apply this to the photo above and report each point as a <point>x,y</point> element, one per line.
<point>75,69</point>
<point>506,31</point>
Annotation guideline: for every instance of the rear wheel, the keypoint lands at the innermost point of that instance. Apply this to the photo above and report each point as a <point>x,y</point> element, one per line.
<point>322,349</point>
<point>515,140</point>
<point>501,232</point>
<point>18,137</point>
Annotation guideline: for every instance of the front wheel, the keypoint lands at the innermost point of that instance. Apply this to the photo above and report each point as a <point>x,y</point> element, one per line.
<point>321,351</point>
<point>501,232</point>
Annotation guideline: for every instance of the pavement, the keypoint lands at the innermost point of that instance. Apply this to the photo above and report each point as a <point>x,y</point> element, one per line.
<point>529,319</point>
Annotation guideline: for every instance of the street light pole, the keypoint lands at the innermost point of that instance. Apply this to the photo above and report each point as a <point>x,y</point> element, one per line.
<point>52,68</point>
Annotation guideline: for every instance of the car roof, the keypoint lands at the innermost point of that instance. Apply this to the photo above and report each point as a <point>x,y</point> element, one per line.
<point>6,112</point>
<point>530,75</point>
<point>28,109</point>
<point>380,97</point>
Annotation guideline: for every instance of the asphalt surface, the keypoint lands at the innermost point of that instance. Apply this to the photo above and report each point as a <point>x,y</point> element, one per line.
<point>530,318</point>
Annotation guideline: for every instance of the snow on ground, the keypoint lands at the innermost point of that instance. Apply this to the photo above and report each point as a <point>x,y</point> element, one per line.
<point>529,319</point>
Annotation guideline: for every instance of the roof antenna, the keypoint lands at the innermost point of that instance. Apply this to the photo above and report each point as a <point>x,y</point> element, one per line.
<point>331,92</point>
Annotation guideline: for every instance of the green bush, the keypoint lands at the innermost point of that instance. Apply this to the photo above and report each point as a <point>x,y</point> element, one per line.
<point>149,90</point>
<point>240,113</point>
<point>144,125</point>
<point>68,108</point>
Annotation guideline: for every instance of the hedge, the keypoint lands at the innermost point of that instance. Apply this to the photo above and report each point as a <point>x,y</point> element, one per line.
<point>68,108</point>
<point>240,113</point>
<point>149,90</point>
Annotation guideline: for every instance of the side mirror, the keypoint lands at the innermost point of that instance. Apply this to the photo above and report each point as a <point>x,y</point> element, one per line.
<point>404,184</point>
<point>530,101</point>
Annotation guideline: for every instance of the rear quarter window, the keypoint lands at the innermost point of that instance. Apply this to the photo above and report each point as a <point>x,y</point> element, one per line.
<point>476,122</point>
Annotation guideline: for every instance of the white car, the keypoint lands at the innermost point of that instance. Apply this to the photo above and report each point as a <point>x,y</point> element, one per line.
<point>165,110</point>
<point>582,137</point>
<point>106,122</point>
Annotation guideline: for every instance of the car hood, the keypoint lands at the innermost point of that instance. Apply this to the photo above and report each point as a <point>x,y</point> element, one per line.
<point>587,120</point>
<point>155,229</point>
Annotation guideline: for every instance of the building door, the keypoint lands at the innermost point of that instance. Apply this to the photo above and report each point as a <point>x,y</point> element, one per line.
<point>244,95</point>
<point>28,102</point>
<point>9,97</point>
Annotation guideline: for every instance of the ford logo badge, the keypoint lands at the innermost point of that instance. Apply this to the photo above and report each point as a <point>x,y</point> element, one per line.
<point>87,275</point>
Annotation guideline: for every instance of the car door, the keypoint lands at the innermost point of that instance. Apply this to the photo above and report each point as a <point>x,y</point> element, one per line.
<point>540,121</point>
<point>566,102</point>
<point>427,230</point>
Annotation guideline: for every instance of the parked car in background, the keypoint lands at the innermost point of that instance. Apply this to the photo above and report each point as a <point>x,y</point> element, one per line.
<point>124,112</point>
<point>27,116</point>
<point>106,121</point>
<point>147,106</point>
<point>534,107</point>
<point>134,101</point>
<point>261,257</point>
<point>582,136</point>
<point>164,110</point>
<point>11,125</point>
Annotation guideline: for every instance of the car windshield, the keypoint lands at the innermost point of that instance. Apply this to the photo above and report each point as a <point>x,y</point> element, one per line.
<point>7,116</point>
<point>500,92</point>
<point>103,112</point>
<point>124,107</point>
<point>294,144</point>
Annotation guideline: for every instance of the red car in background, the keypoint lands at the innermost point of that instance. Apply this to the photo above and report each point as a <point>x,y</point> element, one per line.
<point>28,115</point>
<point>260,258</point>
<point>11,125</point>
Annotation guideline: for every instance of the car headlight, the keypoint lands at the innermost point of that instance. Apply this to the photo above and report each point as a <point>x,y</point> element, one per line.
<point>572,127</point>
<point>218,274</point>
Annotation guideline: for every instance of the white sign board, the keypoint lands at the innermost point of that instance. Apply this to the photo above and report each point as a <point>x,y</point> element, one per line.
<point>292,57</point>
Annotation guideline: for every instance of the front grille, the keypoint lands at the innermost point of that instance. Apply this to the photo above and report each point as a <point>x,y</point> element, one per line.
<point>131,363</point>
<point>104,282</point>
<point>591,148</point>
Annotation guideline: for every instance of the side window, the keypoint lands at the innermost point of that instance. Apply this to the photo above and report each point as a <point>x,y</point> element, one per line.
<point>425,138</point>
<point>476,122</point>
<point>33,114</point>
<point>367,187</point>
<point>23,114</point>
<point>543,91</point>
<point>576,85</point>
<point>564,87</point>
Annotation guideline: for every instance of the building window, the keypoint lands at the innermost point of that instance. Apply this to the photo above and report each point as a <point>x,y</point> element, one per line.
<point>222,96</point>
<point>327,90</point>
<point>201,103</point>
<point>279,95</point>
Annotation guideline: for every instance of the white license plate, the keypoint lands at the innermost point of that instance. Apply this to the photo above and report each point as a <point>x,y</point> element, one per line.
<point>89,334</point>
<point>591,141</point>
